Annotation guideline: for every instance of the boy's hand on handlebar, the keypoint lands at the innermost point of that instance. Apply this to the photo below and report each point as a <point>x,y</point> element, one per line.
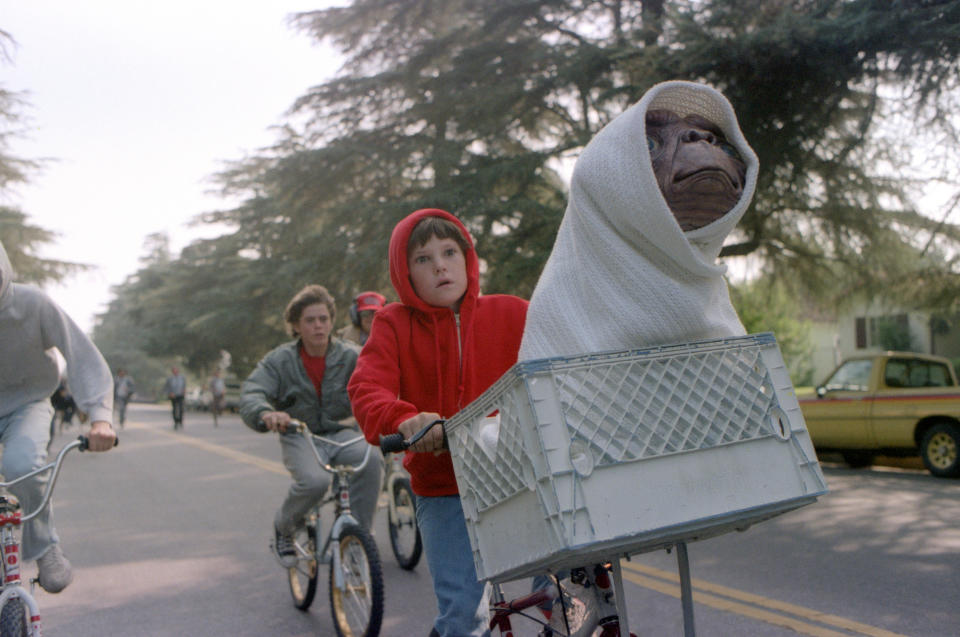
<point>276,420</point>
<point>101,437</point>
<point>431,441</point>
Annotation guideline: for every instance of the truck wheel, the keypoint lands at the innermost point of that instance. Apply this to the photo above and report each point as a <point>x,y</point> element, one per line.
<point>940,449</point>
<point>857,459</point>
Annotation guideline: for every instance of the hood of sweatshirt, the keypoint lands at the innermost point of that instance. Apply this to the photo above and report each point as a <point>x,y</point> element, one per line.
<point>622,273</point>
<point>400,269</point>
<point>6,273</point>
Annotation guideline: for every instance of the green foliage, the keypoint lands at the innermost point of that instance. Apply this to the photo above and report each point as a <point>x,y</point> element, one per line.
<point>765,305</point>
<point>894,335</point>
<point>478,108</point>
<point>21,238</point>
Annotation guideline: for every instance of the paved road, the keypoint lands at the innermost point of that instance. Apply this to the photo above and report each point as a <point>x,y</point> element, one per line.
<point>169,532</point>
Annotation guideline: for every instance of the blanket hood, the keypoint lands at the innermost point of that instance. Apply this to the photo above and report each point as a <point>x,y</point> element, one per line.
<point>622,273</point>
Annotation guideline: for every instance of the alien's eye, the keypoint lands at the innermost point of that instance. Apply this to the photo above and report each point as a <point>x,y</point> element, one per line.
<point>730,150</point>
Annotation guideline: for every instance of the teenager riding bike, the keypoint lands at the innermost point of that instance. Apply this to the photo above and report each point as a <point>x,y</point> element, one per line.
<point>30,325</point>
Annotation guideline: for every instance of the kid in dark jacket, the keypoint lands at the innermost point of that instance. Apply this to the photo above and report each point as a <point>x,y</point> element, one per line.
<point>426,358</point>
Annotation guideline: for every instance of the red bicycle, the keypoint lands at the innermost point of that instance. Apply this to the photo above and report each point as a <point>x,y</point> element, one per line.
<point>576,607</point>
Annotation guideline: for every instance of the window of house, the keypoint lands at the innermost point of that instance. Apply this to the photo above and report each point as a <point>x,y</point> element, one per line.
<point>884,332</point>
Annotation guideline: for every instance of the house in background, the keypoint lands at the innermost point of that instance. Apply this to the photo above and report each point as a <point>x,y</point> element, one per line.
<point>867,327</point>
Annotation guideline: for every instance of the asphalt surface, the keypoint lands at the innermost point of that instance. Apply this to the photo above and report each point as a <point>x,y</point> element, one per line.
<point>169,536</point>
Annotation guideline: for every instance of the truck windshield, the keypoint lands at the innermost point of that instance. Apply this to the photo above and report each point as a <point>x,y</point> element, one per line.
<point>851,376</point>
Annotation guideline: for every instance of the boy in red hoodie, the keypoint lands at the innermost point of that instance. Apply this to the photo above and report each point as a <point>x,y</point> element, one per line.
<point>426,358</point>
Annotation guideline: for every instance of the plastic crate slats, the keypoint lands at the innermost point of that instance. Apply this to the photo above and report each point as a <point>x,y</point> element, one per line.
<point>635,411</point>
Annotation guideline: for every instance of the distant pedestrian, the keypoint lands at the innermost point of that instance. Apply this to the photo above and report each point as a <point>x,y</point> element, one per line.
<point>64,405</point>
<point>176,389</point>
<point>123,389</point>
<point>218,395</point>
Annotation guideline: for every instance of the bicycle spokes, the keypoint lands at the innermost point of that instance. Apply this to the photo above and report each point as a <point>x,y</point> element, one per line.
<point>303,575</point>
<point>356,585</point>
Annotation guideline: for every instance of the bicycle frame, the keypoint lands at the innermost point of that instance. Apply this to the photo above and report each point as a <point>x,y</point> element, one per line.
<point>11,519</point>
<point>339,493</point>
<point>393,471</point>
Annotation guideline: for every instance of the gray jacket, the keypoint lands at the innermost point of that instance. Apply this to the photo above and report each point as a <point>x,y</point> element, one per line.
<point>176,384</point>
<point>30,326</point>
<point>280,383</point>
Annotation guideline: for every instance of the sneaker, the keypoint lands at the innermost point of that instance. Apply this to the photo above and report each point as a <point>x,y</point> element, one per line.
<point>284,548</point>
<point>579,609</point>
<point>55,571</point>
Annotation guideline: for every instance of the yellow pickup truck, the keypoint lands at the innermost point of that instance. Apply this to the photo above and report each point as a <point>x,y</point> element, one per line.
<point>893,404</point>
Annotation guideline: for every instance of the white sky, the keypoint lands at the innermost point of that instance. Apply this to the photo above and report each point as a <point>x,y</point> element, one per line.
<point>139,102</point>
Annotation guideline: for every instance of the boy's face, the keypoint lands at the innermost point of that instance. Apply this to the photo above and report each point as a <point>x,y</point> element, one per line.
<point>366,320</point>
<point>438,272</point>
<point>314,326</point>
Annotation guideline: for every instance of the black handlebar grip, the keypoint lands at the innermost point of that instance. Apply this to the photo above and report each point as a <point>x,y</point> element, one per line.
<point>393,443</point>
<point>85,442</point>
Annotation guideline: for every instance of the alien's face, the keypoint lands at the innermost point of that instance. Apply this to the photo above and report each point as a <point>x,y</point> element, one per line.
<point>700,174</point>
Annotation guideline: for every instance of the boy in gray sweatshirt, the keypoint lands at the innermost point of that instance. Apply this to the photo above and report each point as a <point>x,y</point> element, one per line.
<point>30,326</point>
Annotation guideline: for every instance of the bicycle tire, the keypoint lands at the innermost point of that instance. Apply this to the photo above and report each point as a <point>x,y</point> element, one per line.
<point>13,619</point>
<point>303,576</point>
<point>404,532</point>
<point>357,609</point>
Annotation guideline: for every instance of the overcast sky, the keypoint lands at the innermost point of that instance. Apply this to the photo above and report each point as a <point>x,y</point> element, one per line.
<point>139,103</point>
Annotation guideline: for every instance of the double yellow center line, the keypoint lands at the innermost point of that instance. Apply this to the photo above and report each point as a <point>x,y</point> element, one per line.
<point>804,621</point>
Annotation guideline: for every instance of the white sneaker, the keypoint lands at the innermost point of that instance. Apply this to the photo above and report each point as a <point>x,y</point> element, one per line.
<point>55,570</point>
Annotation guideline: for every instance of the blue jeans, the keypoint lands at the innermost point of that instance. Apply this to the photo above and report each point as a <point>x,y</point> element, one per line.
<point>462,602</point>
<point>24,435</point>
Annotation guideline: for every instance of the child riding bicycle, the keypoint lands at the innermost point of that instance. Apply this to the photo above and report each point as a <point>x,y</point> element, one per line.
<point>30,326</point>
<point>427,357</point>
<point>306,379</point>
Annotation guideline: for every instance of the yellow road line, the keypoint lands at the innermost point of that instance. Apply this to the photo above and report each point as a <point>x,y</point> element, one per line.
<point>226,452</point>
<point>763,609</point>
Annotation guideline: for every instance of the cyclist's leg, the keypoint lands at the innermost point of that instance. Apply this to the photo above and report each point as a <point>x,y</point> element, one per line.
<point>24,435</point>
<point>310,482</point>
<point>364,486</point>
<point>462,601</point>
<point>178,409</point>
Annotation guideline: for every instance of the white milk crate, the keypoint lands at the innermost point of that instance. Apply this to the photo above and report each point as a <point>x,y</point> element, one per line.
<point>597,456</point>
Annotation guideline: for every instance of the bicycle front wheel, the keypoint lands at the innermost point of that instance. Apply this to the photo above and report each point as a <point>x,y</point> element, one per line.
<point>404,533</point>
<point>357,605</point>
<point>303,575</point>
<point>13,618</point>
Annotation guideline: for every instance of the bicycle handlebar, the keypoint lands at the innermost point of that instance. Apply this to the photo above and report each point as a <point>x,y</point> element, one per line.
<point>300,427</point>
<point>82,443</point>
<point>393,443</point>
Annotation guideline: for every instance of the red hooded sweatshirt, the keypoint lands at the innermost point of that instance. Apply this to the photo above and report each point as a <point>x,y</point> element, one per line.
<point>412,361</point>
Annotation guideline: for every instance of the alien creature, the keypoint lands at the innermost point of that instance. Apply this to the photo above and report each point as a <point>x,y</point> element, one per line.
<point>653,197</point>
<point>699,173</point>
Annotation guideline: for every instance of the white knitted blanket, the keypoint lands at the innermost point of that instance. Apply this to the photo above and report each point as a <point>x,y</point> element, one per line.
<point>622,273</point>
